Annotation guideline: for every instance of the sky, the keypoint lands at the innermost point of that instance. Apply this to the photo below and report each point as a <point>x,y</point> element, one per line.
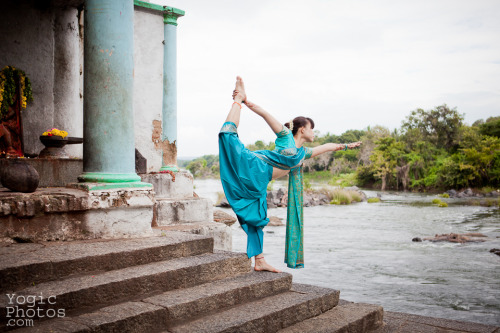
<point>345,64</point>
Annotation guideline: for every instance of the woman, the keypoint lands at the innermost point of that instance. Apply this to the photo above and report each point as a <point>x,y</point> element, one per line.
<point>246,174</point>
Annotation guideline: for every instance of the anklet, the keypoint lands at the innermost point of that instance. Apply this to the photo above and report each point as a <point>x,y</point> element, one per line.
<point>238,104</point>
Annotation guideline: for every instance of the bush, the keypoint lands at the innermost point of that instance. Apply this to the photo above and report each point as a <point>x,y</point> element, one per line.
<point>436,201</point>
<point>443,204</point>
<point>373,200</point>
<point>444,195</point>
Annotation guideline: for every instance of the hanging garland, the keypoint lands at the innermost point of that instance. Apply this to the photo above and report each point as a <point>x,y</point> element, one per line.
<point>8,78</point>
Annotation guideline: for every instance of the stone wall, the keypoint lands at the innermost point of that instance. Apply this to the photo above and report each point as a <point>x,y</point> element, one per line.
<point>148,84</point>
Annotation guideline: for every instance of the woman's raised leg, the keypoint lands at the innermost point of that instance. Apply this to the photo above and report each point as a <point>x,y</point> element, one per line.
<point>234,113</point>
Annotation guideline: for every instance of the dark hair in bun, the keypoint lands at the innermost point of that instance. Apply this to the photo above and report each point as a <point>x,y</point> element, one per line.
<point>299,122</point>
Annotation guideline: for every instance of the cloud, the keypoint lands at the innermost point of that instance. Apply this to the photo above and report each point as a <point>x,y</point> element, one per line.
<point>347,65</point>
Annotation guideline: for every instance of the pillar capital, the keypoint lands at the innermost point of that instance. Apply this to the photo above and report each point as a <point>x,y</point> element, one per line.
<point>170,15</point>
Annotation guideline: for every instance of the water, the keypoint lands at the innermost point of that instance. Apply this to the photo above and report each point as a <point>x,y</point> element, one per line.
<point>366,251</point>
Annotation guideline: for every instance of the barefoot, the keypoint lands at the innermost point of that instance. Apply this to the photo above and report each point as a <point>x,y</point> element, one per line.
<point>240,89</point>
<point>262,265</point>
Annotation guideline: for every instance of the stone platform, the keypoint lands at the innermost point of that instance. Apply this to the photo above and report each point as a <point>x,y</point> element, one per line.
<point>172,283</point>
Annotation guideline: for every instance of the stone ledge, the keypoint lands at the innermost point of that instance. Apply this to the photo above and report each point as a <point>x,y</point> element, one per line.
<point>65,200</point>
<point>44,200</point>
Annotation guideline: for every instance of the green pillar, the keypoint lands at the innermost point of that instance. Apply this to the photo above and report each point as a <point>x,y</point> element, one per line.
<point>109,142</point>
<point>169,112</point>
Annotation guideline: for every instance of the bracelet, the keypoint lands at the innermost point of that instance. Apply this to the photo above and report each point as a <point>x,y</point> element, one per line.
<point>238,104</point>
<point>345,147</point>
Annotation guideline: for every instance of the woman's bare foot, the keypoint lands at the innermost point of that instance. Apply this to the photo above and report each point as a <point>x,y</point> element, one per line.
<point>262,265</point>
<point>239,90</point>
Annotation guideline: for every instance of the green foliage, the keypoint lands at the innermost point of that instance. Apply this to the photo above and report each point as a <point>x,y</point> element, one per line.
<point>442,204</point>
<point>260,145</point>
<point>307,184</point>
<point>439,126</point>
<point>491,127</point>
<point>270,185</point>
<point>444,195</point>
<point>344,180</point>
<point>373,200</point>
<point>436,201</point>
<point>205,166</point>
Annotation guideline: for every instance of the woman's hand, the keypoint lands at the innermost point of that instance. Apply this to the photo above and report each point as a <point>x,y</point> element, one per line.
<point>354,145</point>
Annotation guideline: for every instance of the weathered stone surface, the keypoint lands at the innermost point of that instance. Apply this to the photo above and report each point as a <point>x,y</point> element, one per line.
<point>404,322</point>
<point>221,233</point>
<point>183,210</point>
<point>268,314</point>
<point>19,176</point>
<point>458,238</point>
<point>125,317</point>
<point>113,213</point>
<point>351,317</point>
<point>223,217</point>
<point>164,187</point>
<point>182,304</point>
<point>88,290</point>
<point>21,265</point>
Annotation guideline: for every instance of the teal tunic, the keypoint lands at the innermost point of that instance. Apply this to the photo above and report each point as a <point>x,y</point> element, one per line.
<point>245,176</point>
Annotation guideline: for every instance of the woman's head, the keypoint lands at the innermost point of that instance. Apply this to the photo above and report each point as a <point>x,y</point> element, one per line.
<point>303,124</point>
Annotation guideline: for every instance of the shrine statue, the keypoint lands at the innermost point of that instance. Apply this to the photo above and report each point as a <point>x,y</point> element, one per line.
<point>10,136</point>
<point>15,92</point>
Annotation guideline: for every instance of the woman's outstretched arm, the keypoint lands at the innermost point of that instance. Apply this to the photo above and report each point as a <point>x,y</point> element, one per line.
<point>275,125</point>
<point>333,147</point>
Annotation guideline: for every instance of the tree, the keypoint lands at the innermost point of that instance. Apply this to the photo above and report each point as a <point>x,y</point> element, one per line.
<point>439,126</point>
<point>491,127</point>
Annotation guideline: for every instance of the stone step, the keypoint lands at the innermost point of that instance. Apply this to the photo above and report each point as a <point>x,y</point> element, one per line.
<point>182,210</point>
<point>345,317</point>
<point>182,304</point>
<point>266,315</point>
<point>161,311</point>
<point>221,233</point>
<point>90,291</point>
<point>23,265</point>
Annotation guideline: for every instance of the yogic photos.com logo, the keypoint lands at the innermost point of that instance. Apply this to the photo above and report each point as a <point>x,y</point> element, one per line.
<point>23,310</point>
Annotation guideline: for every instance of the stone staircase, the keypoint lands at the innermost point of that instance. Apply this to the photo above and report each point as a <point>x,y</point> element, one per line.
<point>171,283</point>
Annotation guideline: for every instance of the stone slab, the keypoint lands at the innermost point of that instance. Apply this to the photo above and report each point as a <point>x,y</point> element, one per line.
<point>268,314</point>
<point>398,322</point>
<point>182,304</point>
<point>69,214</point>
<point>165,187</point>
<point>350,317</point>
<point>182,211</point>
<point>90,290</point>
<point>26,264</point>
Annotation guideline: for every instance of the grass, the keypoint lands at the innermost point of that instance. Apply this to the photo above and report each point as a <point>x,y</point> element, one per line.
<point>373,200</point>
<point>444,195</point>
<point>342,197</point>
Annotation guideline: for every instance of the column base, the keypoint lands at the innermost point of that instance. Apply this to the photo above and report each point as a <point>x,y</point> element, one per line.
<point>94,186</point>
<point>172,168</point>
<point>101,177</point>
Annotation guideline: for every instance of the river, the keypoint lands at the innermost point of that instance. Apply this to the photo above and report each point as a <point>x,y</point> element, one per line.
<point>366,251</point>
